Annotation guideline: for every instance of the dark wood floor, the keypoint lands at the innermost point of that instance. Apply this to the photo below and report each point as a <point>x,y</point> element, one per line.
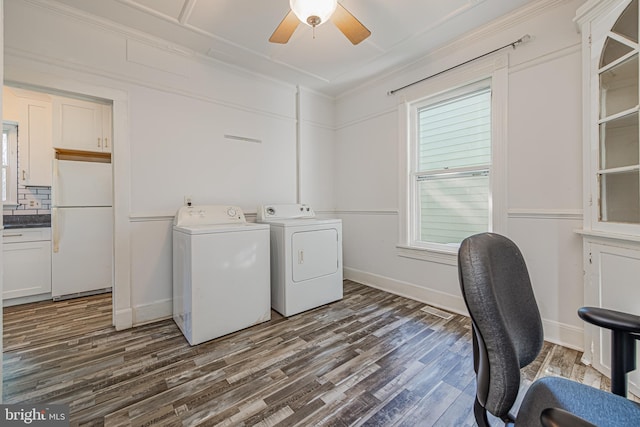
<point>373,359</point>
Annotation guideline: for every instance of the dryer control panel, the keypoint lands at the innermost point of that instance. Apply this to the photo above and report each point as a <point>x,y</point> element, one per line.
<point>284,211</point>
<point>209,215</point>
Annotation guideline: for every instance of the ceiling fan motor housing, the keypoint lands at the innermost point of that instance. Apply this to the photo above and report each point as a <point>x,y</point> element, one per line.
<point>313,12</point>
<point>314,20</point>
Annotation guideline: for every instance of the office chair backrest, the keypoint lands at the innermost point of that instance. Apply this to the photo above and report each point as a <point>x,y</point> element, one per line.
<point>508,331</point>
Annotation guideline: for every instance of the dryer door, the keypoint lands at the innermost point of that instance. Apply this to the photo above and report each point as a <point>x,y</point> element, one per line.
<point>315,254</point>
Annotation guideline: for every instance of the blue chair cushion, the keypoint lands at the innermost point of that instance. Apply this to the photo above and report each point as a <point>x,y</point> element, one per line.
<point>596,406</point>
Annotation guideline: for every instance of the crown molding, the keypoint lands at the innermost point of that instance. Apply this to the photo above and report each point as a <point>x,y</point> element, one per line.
<point>592,9</point>
<point>129,33</point>
<point>493,28</point>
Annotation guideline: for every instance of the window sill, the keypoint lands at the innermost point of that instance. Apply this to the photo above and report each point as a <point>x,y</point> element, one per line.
<point>447,257</point>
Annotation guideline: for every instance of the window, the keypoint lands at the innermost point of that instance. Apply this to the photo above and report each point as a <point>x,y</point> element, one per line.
<point>9,163</point>
<point>451,167</point>
<point>453,161</point>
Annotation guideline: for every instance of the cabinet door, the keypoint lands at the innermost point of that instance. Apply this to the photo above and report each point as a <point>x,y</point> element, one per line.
<point>613,273</point>
<point>35,142</point>
<point>26,269</point>
<point>77,125</point>
<point>107,140</point>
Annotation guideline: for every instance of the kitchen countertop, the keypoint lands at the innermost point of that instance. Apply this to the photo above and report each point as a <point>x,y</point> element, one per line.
<point>26,221</point>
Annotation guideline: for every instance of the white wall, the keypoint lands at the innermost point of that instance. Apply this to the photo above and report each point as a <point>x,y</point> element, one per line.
<point>170,120</point>
<point>316,130</point>
<point>543,168</point>
<point>173,111</point>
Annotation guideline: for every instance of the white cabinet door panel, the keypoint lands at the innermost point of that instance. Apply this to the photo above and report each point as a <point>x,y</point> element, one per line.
<point>26,269</point>
<point>615,272</point>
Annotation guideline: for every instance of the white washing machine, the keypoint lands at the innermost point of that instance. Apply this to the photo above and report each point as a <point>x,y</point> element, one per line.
<point>306,258</point>
<point>220,272</point>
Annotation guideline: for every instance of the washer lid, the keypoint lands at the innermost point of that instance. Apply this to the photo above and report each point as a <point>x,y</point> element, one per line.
<point>220,228</point>
<point>209,214</point>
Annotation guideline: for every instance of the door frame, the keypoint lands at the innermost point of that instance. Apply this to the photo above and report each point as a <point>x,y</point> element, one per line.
<point>122,313</point>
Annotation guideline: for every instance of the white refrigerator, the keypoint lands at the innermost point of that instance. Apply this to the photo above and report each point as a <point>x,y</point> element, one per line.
<point>82,228</point>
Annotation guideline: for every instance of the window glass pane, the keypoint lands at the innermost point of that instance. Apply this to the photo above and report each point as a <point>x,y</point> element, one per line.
<point>619,88</point>
<point>620,197</point>
<point>613,50</point>
<point>627,24</point>
<point>452,207</point>
<point>619,142</point>
<point>455,133</point>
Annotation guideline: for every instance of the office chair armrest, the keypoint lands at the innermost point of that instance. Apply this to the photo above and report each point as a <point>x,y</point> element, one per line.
<point>555,417</point>
<point>610,319</point>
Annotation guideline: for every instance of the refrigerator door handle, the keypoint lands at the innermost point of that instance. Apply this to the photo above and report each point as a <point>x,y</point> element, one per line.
<point>54,187</point>
<point>56,230</point>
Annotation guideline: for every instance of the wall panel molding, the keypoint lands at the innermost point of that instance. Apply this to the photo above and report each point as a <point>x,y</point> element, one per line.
<point>168,216</point>
<point>564,214</point>
<point>549,57</point>
<point>366,118</point>
<point>130,33</point>
<point>367,212</point>
<point>126,78</point>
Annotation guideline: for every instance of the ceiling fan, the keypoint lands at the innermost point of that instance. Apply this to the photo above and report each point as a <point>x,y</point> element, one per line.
<point>316,12</point>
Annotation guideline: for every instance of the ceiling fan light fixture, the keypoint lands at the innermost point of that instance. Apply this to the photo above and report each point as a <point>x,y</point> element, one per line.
<point>313,12</point>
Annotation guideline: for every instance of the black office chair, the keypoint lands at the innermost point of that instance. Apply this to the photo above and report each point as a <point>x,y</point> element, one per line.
<point>507,336</point>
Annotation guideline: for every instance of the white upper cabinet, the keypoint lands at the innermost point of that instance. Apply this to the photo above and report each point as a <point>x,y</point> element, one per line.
<point>612,139</point>
<point>33,113</point>
<point>81,125</point>
<point>35,147</point>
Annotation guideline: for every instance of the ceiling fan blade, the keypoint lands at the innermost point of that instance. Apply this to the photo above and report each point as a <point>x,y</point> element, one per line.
<point>283,33</point>
<point>349,25</point>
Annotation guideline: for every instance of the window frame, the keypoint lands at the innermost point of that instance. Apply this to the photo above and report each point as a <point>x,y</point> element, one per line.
<point>491,72</point>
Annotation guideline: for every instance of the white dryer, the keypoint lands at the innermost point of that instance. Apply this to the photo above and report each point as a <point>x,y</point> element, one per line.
<point>306,258</point>
<point>220,272</point>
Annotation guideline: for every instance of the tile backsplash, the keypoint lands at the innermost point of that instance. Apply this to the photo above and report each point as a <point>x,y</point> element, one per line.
<point>25,195</point>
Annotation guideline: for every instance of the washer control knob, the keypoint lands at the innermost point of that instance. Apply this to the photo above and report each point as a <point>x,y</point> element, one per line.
<point>271,211</point>
<point>231,212</point>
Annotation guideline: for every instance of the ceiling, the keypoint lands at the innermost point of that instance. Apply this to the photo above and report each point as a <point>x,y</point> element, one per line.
<point>237,32</point>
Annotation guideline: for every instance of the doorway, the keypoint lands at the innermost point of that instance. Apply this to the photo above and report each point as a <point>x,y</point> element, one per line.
<point>118,109</point>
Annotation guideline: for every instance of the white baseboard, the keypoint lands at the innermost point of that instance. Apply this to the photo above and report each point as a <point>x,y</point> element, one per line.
<point>26,300</point>
<point>563,334</point>
<point>439,299</point>
<point>152,312</point>
<point>123,319</point>
<point>554,332</point>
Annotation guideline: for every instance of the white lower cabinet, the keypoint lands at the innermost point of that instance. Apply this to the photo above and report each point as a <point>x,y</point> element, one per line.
<point>611,281</point>
<point>26,262</point>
